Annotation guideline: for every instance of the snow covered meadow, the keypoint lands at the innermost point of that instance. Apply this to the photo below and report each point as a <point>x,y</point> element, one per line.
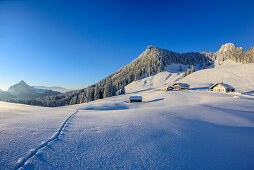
<point>189,129</point>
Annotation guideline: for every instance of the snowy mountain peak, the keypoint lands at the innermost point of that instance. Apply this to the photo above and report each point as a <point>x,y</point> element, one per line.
<point>227,47</point>
<point>251,50</point>
<point>22,83</point>
<point>236,54</point>
<point>150,47</point>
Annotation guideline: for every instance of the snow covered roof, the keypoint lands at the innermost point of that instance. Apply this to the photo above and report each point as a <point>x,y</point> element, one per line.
<point>181,84</point>
<point>223,84</point>
<point>227,86</point>
<point>135,97</point>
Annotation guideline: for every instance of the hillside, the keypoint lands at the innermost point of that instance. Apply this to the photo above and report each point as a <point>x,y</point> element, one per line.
<point>239,76</point>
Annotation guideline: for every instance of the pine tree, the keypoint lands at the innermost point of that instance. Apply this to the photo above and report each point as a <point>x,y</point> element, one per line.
<point>73,100</point>
<point>96,93</point>
<point>180,68</point>
<point>184,74</point>
<point>108,90</point>
<point>90,93</point>
<point>192,69</point>
<point>121,91</point>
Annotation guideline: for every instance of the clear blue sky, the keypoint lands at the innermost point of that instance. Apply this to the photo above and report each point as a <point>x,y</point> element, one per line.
<point>74,44</point>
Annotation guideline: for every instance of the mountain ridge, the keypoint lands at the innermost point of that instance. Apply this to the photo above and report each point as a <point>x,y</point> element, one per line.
<point>152,61</point>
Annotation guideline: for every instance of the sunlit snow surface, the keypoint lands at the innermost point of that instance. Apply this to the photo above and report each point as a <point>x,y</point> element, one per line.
<point>193,129</point>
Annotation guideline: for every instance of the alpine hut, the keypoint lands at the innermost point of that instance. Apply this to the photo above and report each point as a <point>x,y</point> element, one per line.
<point>169,88</point>
<point>221,87</point>
<point>179,86</point>
<point>135,99</point>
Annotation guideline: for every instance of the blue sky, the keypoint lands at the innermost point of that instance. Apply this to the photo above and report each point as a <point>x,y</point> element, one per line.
<point>74,44</point>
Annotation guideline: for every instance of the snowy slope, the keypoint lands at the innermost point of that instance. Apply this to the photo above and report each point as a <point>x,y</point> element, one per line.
<point>163,79</point>
<point>24,127</point>
<point>239,76</point>
<point>111,134</point>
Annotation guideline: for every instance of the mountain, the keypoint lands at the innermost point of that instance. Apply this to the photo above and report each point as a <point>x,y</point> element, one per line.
<point>230,52</point>
<point>152,61</point>
<point>53,88</point>
<point>23,90</point>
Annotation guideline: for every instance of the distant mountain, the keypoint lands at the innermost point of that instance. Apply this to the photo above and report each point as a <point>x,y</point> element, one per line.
<point>152,61</point>
<point>53,88</point>
<point>22,90</point>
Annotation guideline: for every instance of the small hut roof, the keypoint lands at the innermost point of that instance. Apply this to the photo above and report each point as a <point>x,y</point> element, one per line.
<point>223,84</point>
<point>181,84</point>
<point>135,97</point>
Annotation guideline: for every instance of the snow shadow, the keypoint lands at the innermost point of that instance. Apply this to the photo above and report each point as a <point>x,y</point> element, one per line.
<point>251,93</point>
<point>140,91</point>
<point>200,88</point>
<point>242,114</point>
<point>109,107</point>
<point>39,157</point>
<point>155,100</point>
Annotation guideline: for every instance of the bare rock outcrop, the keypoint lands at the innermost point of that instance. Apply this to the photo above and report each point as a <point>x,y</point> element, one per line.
<point>236,54</point>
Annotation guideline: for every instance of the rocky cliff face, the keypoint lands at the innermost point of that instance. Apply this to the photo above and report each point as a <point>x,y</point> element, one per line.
<point>228,47</point>
<point>249,55</point>
<point>230,52</point>
<point>226,52</point>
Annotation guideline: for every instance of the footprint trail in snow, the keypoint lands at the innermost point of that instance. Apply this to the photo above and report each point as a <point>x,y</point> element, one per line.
<point>22,161</point>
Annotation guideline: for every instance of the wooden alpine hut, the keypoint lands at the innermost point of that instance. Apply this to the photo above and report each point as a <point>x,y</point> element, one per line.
<point>135,99</point>
<point>180,86</point>
<point>221,87</point>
